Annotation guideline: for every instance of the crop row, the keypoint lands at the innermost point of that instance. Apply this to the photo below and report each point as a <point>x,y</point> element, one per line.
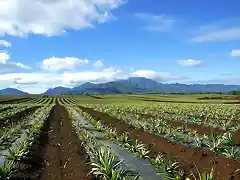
<point>167,168</point>
<point>12,111</point>
<point>15,142</point>
<point>105,164</point>
<point>164,142</point>
<point>222,144</point>
<point>225,117</point>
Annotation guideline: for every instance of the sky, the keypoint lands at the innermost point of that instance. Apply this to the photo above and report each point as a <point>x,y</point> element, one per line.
<point>49,43</point>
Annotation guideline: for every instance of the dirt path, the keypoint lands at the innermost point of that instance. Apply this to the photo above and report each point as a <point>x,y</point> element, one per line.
<point>224,167</point>
<point>64,158</point>
<point>56,154</point>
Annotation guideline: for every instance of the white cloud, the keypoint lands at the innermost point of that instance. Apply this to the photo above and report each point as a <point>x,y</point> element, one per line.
<point>44,80</point>
<point>4,64</point>
<point>235,53</point>
<point>4,57</point>
<point>189,63</point>
<point>5,43</point>
<point>98,64</point>
<point>104,75</point>
<point>158,23</point>
<point>53,17</point>
<point>66,63</point>
<point>158,76</point>
<point>219,35</point>
<point>25,81</point>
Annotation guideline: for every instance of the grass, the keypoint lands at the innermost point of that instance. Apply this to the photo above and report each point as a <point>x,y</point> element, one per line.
<point>135,98</point>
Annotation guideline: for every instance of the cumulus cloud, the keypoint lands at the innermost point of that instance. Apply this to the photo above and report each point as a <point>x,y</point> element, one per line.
<point>53,17</point>
<point>102,76</point>
<point>66,63</point>
<point>189,63</point>
<point>5,43</point>
<point>235,53</point>
<point>4,57</point>
<point>25,81</point>
<point>158,76</point>
<point>98,64</point>
<point>5,64</point>
<point>158,23</point>
<point>45,80</point>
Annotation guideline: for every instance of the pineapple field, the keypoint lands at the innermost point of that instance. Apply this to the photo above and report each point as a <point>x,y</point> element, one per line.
<point>120,138</point>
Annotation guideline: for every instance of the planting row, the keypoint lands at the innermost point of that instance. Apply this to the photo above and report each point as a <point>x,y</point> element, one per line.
<point>225,168</point>
<point>16,141</point>
<point>225,144</point>
<point>226,118</point>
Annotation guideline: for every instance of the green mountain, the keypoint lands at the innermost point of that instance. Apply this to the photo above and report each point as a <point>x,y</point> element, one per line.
<point>56,91</point>
<point>139,85</point>
<point>113,87</point>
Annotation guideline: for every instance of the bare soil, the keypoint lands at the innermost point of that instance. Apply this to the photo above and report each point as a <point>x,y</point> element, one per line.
<point>206,130</point>
<point>192,102</point>
<point>220,98</point>
<point>201,129</point>
<point>64,158</point>
<point>56,154</point>
<point>224,168</point>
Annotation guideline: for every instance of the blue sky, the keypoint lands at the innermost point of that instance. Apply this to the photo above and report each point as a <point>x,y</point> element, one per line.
<point>69,42</point>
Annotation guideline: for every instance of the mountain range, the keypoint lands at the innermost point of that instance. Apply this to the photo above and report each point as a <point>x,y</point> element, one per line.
<point>12,91</point>
<point>133,85</point>
<point>140,85</point>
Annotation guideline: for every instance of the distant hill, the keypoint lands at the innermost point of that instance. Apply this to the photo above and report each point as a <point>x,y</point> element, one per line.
<point>133,85</point>
<point>113,87</point>
<point>56,91</point>
<point>12,91</point>
<point>139,85</point>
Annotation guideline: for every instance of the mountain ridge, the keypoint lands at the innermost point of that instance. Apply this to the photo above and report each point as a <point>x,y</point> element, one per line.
<point>12,91</point>
<point>133,85</point>
<point>57,90</point>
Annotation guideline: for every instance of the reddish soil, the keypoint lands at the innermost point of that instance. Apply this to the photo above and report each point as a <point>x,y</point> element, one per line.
<point>198,128</point>
<point>205,130</point>
<point>192,102</point>
<point>224,168</point>
<point>56,153</point>
<point>64,158</point>
<point>220,98</point>
<point>29,167</point>
<point>17,117</point>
